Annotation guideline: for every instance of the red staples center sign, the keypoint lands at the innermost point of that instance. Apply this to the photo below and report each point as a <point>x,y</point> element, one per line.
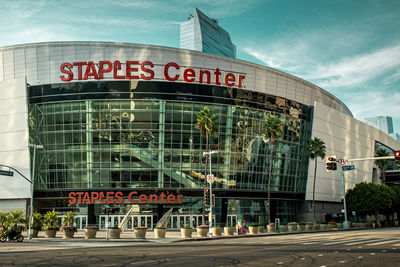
<point>118,198</point>
<point>135,70</point>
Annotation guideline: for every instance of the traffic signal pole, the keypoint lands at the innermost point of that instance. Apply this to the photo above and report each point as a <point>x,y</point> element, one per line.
<point>346,222</point>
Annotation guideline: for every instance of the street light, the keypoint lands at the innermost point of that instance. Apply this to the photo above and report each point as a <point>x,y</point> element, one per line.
<point>210,215</point>
<point>32,183</point>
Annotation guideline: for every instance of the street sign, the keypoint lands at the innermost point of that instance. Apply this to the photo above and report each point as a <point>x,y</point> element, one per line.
<point>6,173</point>
<point>348,168</point>
<point>210,178</point>
<point>342,161</point>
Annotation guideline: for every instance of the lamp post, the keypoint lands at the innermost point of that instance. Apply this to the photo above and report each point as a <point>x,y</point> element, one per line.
<point>32,183</point>
<point>210,181</point>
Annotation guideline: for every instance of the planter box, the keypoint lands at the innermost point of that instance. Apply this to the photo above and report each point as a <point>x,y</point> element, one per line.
<point>271,228</point>
<point>292,228</point>
<point>159,233</point>
<point>68,234</point>
<point>217,231</point>
<point>284,228</point>
<point>50,233</point>
<point>90,233</point>
<point>316,226</point>
<point>202,232</point>
<point>253,230</point>
<point>229,230</point>
<point>186,232</point>
<point>114,233</point>
<point>324,227</point>
<point>140,233</point>
<point>35,233</point>
<point>309,227</point>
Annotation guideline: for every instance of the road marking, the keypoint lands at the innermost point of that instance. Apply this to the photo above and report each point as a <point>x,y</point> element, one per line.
<point>320,255</point>
<point>372,254</point>
<point>342,261</point>
<point>280,263</point>
<point>380,243</point>
<point>359,242</point>
<point>384,250</point>
<point>360,257</point>
<point>396,245</point>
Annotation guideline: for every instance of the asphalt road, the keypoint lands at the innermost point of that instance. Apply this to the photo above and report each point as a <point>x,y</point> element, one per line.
<point>379,247</point>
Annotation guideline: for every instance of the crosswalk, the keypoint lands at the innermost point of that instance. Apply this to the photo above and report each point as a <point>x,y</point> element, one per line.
<point>347,240</point>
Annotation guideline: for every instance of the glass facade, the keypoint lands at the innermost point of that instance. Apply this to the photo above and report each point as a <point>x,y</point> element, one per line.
<point>204,34</point>
<point>142,136</point>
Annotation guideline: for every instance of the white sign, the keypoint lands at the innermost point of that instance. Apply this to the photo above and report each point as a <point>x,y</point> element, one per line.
<point>342,161</point>
<point>210,178</point>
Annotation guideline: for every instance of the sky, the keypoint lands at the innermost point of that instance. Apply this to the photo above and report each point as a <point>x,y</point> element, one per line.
<point>351,48</point>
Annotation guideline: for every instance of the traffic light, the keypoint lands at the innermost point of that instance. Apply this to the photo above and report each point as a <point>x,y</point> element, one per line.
<point>331,163</point>
<point>397,157</point>
<point>206,197</point>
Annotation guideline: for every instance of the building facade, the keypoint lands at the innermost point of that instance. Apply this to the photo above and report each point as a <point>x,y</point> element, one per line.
<point>383,123</point>
<point>118,121</point>
<point>204,34</point>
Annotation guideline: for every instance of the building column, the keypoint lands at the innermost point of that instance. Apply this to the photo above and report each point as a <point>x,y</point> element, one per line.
<point>161,137</point>
<point>228,145</point>
<point>89,142</point>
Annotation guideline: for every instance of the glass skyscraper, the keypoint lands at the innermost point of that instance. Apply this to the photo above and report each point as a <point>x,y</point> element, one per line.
<point>383,123</point>
<point>204,34</point>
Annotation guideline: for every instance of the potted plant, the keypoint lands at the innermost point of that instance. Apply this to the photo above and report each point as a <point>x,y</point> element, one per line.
<point>12,218</point>
<point>301,226</point>
<point>202,230</point>
<point>292,226</point>
<point>309,226</point>
<point>90,231</point>
<point>253,228</point>
<point>228,230</point>
<point>114,232</point>
<point>261,228</point>
<point>217,230</point>
<point>68,228</point>
<point>284,228</point>
<point>37,224</point>
<point>186,231</point>
<point>50,224</point>
<point>159,232</point>
<point>323,226</point>
<point>271,227</point>
<point>140,232</point>
<point>68,231</point>
<point>3,217</point>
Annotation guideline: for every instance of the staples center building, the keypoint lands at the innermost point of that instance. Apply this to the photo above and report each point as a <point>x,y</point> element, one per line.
<point>120,118</point>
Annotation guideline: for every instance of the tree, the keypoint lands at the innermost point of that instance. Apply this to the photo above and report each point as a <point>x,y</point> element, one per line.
<point>14,217</point>
<point>207,124</point>
<point>315,149</point>
<point>382,163</point>
<point>370,199</point>
<point>273,128</point>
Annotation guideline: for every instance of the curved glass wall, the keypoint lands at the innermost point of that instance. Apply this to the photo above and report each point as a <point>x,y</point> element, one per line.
<point>143,135</point>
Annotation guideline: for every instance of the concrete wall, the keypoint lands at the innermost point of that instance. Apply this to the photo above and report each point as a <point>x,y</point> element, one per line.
<point>14,137</point>
<point>343,136</point>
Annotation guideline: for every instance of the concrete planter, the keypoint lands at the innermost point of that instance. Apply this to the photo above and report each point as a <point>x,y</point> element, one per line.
<point>284,228</point>
<point>253,230</point>
<point>301,227</point>
<point>50,233</point>
<point>90,233</point>
<point>35,233</point>
<point>292,228</point>
<point>202,231</point>
<point>160,232</point>
<point>186,232</point>
<point>68,234</point>
<point>217,231</point>
<point>324,227</point>
<point>339,225</point>
<point>114,233</point>
<point>271,228</point>
<point>316,227</point>
<point>260,229</point>
<point>1,230</point>
<point>140,232</point>
<point>229,230</point>
<point>309,227</point>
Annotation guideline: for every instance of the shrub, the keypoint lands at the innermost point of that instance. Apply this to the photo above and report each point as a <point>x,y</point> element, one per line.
<point>160,227</point>
<point>254,225</point>
<point>139,227</point>
<point>292,223</point>
<point>273,224</point>
<point>309,223</point>
<point>69,218</point>
<point>203,226</point>
<point>186,227</point>
<point>50,220</point>
<point>94,227</point>
<point>68,228</point>
<point>37,222</point>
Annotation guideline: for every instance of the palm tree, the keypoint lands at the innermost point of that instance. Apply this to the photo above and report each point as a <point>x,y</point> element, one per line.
<point>273,128</point>
<point>207,124</point>
<point>315,149</point>
<point>382,162</point>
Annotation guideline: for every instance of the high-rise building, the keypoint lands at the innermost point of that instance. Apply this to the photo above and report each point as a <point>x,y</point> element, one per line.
<point>383,123</point>
<point>204,34</point>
